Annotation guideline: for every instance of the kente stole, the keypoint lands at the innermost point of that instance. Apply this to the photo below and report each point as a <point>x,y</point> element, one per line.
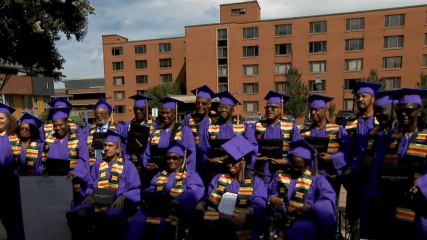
<point>286,128</point>
<point>213,130</point>
<point>30,156</point>
<point>332,131</point>
<point>89,140</point>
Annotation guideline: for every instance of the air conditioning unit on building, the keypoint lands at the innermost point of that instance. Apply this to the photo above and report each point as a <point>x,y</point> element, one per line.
<point>242,10</point>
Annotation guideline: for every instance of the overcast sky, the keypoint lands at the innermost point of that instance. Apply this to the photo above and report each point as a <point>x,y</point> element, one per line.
<point>146,19</point>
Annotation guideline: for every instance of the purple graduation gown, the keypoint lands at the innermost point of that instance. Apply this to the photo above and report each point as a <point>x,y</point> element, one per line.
<point>164,142</point>
<point>78,130</point>
<point>364,127</point>
<point>321,220</point>
<point>124,131</point>
<point>188,199</point>
<point>38,163</point>
<point>7,168</point>
<point>203,147</point>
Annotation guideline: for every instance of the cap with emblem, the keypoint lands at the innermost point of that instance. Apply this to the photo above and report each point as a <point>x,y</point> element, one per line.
<point>112,136</point>
<point>140,100</point>
<point>60,102</point>
<point>170,103</point>
<point>385,98</point>
<point>227,98</point>
<point>319,101</point>
<point>204,92</point>
<point>103,104</point>
<point>30,119</point>
<point>366,87</point>
<point>6,109</point>
<point>410,95</point>
<point>301,149</point>
<point>59,113</point>
<point>276,97</point>
<point>238,147</point>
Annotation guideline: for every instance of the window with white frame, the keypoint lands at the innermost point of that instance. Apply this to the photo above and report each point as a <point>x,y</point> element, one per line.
<point>348,104</point>
<point>392,83</point>
<point>317,66</point>
<point>250,106</point>
<point>250,51</point>
<point>350,84</point>
<point>392,62</point>
<point>280,87</point>
<point>140,49</point>
<point>222,71</point>
<point>249,33</point>
<point>425,61</point>
<point>353,65</point>
<point>165,47</point>
<point>141,64</point>
<point>119,95</point>
<point>118,81</point>
<point>165,78</point>
<point>312,86</point>
<point>317,47</point>
<point>283,49</point>
<point>355,24</point>
<point>222,52</point>
<point>393,42</point>
<point>281,68</point>
<point>318,27</point>
<point>397,20</point>
<point>283,30</point>
<point>250,88</point>
<point>141,79</point>
<point>222,34</point>
<point>165,63</point>
<point>118,66</point>
<point>117,51</point>
<point>120,109</point>
<point>354,44</point>
<point>250,70</point>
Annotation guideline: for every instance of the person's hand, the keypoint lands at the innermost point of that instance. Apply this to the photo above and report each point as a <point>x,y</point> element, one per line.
<point>415,189</point>
<point>119,203</point>
<point>239,218</point>
<point>216,160</point>
<point>326,157</point>
<point>90,148</point>
<point>71,175</point>
<point>261,158</point>
<point>276,202</point>
<point>200,207</point>
<point>303,209</point>
<point>280,162</point>
<point>87,200</point>
<point>152,166</point>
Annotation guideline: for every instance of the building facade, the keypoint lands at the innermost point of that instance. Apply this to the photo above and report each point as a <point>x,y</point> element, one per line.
<point>249,56</point>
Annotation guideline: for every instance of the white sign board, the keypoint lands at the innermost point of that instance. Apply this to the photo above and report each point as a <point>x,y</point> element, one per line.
<point>227,204</point>
<point>45,202</point>
<point>155,112</point>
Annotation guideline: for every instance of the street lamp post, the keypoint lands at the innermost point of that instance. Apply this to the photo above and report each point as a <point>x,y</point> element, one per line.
<point>318,83</point>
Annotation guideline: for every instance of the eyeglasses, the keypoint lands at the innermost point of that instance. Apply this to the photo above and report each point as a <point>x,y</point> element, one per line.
<point>224,107</point>
<point>24,129</point>
<point>172,158</point>
<point>271,107</point>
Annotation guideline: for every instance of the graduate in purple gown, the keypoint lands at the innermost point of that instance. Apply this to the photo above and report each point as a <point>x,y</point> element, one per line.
<point>199,121</point>
<point>225,128</point>
<point>163,136</point>
<point>303,200</point>
<point>90,220</point>
<point>172,194</point>
<point>403,212</point>
<point>275,126</point>
<point>250,193</point>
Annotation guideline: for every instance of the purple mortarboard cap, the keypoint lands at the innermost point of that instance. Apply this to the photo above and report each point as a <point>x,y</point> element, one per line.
<point>410,95</point>
<point>204,92</point>
<point>301,149</point>
<point>103,104</point>
<point>276,97</point>
<point>227,99</point>
<point>385,98</point>
<point>178,148</point>
<point>59,113</point>
<point>112,136</point>
<point>6,109</point>
<point>30,119</point>
<point>60,102</point>
<point>366,87</point>
<point>169,103</point>
<point>238,147</point>
<point>319,101</point>
<point>140,100</point>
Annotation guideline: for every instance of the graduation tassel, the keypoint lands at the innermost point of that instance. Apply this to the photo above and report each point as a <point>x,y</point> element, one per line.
<point>176,112</point>
<point>146,111</point>
<point>316,163</point>
<point>185,159</point>
<point>281,105</point>
<point>238,115</point>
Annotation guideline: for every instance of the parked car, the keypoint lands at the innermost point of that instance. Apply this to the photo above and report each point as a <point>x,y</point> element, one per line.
<point>252,120</point>
<point>342,115</point>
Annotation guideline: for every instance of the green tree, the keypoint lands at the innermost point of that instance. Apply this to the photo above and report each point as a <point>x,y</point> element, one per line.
<point>30,28</point>
<point>373,77</point>
<point>331,109</point>
<point>423,84</point>
<point>298,91</point>
<point>161,91</point>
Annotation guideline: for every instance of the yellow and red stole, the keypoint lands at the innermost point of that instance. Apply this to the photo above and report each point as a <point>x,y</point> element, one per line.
<point>332,131</point>
<point>193,124</point>
<point>30,156</point>
<point>286,128</point>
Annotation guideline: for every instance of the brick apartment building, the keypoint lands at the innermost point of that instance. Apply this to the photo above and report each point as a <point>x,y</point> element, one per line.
<point>248,56</point>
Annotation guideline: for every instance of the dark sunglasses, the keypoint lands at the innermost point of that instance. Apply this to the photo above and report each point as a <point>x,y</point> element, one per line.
<point>172,158</point>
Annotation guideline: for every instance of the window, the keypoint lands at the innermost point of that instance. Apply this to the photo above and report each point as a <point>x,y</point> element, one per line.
<point>392,62</point>
<point>141,79</point>
<point>318,27</point>
<point>425,61</point>
<point>222,34</point>
<point>36,107</point>
<point>118,81</point>
<point>46,105</point>
<point>250,70</point>
<point>9,100</point>
<point>280,87</point>
<point>165,78</point>
<point>140,49</point>
<point>350,84</point>
<point>283,49</point>
<point>164,47</point>
<point>393,42</point>
<point>222,52</point>
<point>392,21</point>
<point>118,51</point>
<point>165,63</point>
<point>251,32</point>
<point>355,24</point>
<point>142,92</point>
<point>141,64</point>
<point>121,109</point>
<point>222,71</point>
<point>250,88</point>
<point>283,30</point>
<point>425,39</point>
<point>23,103</point>
<point>250,106</point>
<point>392,83</point>
<point>119,95</point>
<point>317,47</point>
<point>222,87</point>
<point>29,101</point>
<point>353,65</point>
<point>281,68</point>
<point>117,66</point>
<point>354,44</point>
<point>251,51</point>
<point>348,104</point>
<point>317,66</point>
<point>235,11</point>
<point>312,87</point>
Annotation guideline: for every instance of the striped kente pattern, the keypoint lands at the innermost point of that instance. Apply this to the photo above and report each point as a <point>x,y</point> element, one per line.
<point>404,214</point>
<point>48,127</point>
<point>113,181</point>
<point>30,156</point>
<point>332,131</point>
<point>193,123</point>
<point>158,133</point>
<point>213,130</point>
<point>286,128</point>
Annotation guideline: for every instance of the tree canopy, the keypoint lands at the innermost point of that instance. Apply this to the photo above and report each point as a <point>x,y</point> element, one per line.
<point>298,91</point>
<point>423,84</point>
<point>161,91</point>
<point>30,28</point>
<point>373,77</point>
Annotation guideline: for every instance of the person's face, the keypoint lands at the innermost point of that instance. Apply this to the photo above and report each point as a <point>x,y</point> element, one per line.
<point>173,162</point>
<point>272,111</point>
<point>101,116</point>
<point>407,114</point>
<point>24,130</point>
<point>298,166</point>
<point>225,111</point>
<point>364,100</point>
<point>234,167</point>
<point>383,115</point>
<point>139,113</point>
<point>60,127</point>
<point>111,149</point>
<point>318,114</point>
<point>167,116</point>
<point>3,121</point>
<point>202,105</point>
